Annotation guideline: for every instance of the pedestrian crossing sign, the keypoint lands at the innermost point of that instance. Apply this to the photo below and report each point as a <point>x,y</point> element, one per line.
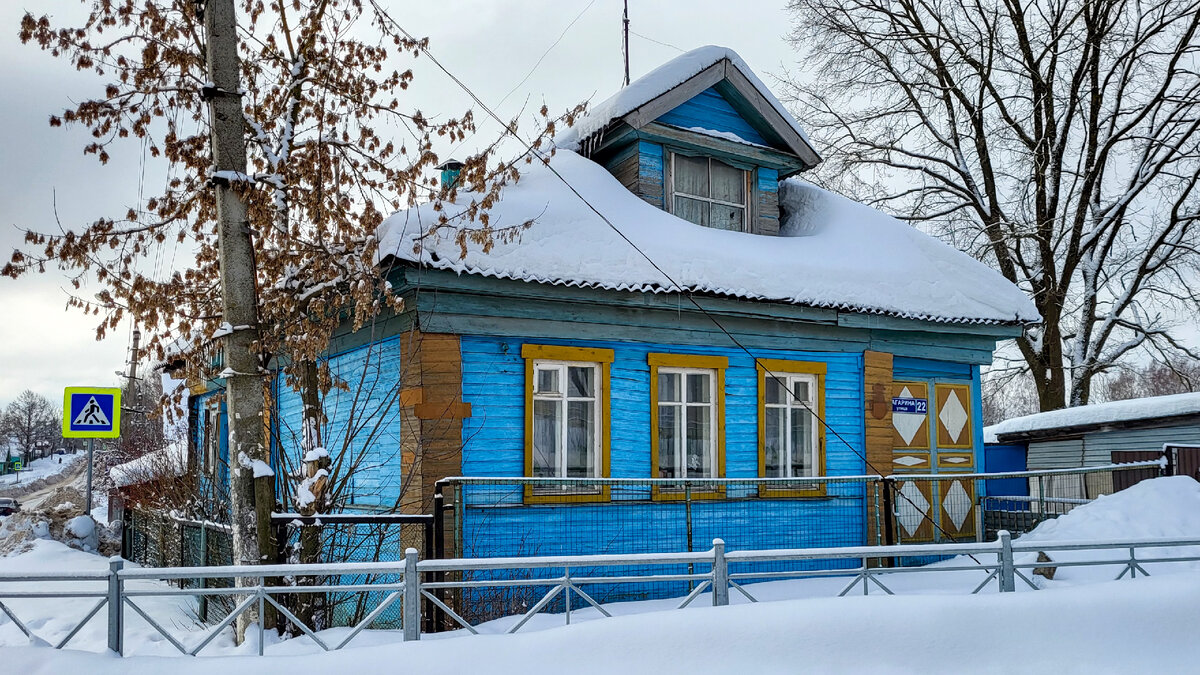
<point>92,412</point>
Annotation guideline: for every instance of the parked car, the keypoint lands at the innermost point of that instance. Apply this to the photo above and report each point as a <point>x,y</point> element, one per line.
<point>9,506</point>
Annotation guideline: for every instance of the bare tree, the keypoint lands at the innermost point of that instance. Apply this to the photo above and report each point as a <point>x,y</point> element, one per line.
<point>1055,140</point>
<point>32,422</point>
<point>1176,376</point>
<point>331,151</point>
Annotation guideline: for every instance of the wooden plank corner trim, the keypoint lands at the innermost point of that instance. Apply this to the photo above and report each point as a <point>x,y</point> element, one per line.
<point>442,410</point>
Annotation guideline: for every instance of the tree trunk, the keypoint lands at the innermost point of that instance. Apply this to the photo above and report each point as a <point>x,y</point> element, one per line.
<point>252,498</point>
<point>310,535</point>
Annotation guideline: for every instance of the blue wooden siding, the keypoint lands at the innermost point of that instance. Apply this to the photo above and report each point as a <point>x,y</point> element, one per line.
<point>710,110</point>
<point>907,368</point>
<point>767,194</point>
<point>363,422</point>
<point>494,385</point>
<point>201,404</point>
<point>651,173</point>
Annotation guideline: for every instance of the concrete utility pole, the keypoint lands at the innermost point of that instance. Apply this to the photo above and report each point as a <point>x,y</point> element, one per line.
<point>134,390</point>
<point>252,499</point>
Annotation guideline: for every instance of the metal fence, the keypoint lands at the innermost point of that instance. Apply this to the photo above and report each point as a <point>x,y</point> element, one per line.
<point>976,506</point>
<point>520,517</point>
<point>715,573</point>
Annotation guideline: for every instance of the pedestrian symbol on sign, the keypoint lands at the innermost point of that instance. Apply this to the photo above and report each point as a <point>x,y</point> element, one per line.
<point>92,415</point>
<point>92,412</point>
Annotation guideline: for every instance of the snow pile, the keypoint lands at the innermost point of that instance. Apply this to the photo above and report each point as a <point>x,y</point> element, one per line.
<point>1099,413</point>
<point>1160,508</point>
<point>1126,627</point>
<point>659,81</point>
<point>853,257</point>
<point>60,517</point>
<point>168,462</point>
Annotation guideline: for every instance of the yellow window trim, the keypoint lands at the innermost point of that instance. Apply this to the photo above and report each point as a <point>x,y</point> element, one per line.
<point>562,353</point>
<point>604,357</point>
<point>817,368</point>
<point>700,362</point>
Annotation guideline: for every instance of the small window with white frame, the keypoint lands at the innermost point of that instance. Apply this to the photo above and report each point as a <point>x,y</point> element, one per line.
<point>566,419</point>
<point>687,423</point>
<point>709,192</point>
<point>791,439</point>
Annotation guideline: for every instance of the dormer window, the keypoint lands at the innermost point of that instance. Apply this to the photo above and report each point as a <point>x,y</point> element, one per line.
<point>708,192</point>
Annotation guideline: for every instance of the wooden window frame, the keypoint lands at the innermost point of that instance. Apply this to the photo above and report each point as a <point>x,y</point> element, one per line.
<point>689,362</point>
<point>749,188</point>
<point>818,369</point>
<point>602,359</point>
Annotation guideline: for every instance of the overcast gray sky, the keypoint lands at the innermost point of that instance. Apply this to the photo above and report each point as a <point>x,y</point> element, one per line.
<point>489,44</point>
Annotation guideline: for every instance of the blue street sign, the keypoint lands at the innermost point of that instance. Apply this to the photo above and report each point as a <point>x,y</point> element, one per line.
<point>904,404</point>
<point>91,412</point>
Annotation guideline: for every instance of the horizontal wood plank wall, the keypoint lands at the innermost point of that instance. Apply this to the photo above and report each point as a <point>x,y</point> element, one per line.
<point>494,381</point>
<point>651,174</point>
<point>364,422</point>
<point>710,110</point>
<point>624,167</point>
<point>767,194</point>
<point>877,384</point>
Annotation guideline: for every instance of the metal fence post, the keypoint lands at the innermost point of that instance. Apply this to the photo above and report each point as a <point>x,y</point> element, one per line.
<point>1008,581</point>
<point>720,575</point>
<point>412,596</point>
<point>116,607</point>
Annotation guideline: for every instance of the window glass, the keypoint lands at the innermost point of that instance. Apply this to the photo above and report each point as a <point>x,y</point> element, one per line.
<point>699,441</point>
<point>668,387</point>
<point>728,183</point>
<point>691,175</point>
<point>582,381</point>
<point>692,210</point>
<point>801,432</point>
<point>547,380</point>
<point>581,438</point>
<point>773,442</point>
<point>698,387</point>
<point>668,433</point>
<point>546,421</point>
<point>724,217</point>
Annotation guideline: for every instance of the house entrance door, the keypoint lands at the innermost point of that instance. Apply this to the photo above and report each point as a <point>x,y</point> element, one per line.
<point>933,440</point>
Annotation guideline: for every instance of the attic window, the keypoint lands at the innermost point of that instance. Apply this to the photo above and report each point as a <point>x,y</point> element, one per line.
<point>708,192</point>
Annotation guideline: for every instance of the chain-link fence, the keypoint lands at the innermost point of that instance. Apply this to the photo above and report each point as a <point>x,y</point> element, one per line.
<point>975,506</point>
<point>515,517</point>
<point>354,538</point>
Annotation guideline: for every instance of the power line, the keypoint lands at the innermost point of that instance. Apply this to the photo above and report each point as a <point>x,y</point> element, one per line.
<point>657,42</point>
<point>545,53</point>
<point>683,290</point>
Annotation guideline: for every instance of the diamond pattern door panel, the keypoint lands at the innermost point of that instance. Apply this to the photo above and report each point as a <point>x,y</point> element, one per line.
<point>954,427</point>
<point>913,505</point>
<point>910,429</point>
<point>957,501</point>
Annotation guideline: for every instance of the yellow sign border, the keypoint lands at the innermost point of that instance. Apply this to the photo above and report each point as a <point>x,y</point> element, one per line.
<point>115,392</point>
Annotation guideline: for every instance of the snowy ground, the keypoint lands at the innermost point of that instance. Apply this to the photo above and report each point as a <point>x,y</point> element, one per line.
<point>1081,622</point>
<point>40,468</point>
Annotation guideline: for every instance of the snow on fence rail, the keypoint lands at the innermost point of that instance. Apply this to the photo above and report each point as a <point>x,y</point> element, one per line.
<point>416,580</point>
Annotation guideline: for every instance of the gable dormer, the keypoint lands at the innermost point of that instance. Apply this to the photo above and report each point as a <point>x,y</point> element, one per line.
<point>700,137</point>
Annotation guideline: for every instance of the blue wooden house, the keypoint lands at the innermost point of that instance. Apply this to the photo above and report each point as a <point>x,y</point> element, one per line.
<point>688,341</point>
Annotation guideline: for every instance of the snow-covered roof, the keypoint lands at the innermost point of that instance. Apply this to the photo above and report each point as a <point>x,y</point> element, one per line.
<point>1132,410</point>
<point>169,461</point>
<point>833,252</point>
<point>660,81</point>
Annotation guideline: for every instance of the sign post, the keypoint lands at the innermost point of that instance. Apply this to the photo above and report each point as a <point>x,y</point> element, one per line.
<point>91,413</point>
